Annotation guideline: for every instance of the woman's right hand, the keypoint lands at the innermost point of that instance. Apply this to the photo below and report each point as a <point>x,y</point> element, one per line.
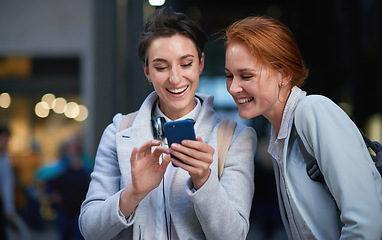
<point>146,174</point>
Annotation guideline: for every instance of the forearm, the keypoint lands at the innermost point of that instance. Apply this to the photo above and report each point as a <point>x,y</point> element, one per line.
<point>128,201</point>
<point>210,200</point>
<point>101,219</point>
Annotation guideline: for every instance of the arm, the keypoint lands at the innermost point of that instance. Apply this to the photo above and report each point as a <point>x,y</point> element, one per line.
<point>346,165</point>
<point>100,217</point>
<point>106,205</point>
<point>146,173</point>
<point>233,193</point>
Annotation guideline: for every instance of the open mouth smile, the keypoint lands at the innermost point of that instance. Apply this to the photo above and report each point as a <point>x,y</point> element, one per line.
<point>178,90</point>
<point>244,100</point>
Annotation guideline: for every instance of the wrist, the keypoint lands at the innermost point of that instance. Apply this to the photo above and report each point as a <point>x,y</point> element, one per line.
<point>129,200</point>
<point>201,181</point>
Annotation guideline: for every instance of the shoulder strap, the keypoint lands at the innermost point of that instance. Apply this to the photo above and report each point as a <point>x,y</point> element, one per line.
<point>376,147</point>
<point>311,163</point>
<point>225,133</point>
<point>128,120</point>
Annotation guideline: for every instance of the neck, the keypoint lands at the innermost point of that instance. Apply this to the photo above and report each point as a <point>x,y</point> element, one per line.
<point>275,117</point>
<point>173,115</point>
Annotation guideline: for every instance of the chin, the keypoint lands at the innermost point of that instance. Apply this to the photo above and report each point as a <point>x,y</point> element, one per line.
<point>247,115</point>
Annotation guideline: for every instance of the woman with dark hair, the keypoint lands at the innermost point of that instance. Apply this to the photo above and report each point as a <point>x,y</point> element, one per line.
<point>134,192</point>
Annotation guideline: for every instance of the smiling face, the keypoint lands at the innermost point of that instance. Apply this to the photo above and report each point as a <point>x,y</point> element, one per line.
<point>174,69</point>
<point>254,87</point>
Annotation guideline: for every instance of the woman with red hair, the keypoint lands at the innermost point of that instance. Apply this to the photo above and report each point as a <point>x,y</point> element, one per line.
<point>265,71</point>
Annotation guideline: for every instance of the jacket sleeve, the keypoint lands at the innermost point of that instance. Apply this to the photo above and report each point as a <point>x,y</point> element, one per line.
<point>100,217</point>
<point>223,207</point>
<point>330,135</point>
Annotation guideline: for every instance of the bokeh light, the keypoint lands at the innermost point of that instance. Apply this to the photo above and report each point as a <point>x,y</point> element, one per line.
<point>48,98</point>
<point>83,114</point>
<point>72,110</point>
<point>59,105</point>
<point>5,100</point>
<point>42,109</point>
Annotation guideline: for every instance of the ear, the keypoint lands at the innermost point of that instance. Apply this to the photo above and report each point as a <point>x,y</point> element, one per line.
<point>201,64</point>
<point>146,71</point>
<point>285,78</point>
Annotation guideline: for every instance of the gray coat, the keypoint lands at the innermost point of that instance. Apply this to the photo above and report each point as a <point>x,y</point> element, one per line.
<point>353,208</point>
<point>218,210</point>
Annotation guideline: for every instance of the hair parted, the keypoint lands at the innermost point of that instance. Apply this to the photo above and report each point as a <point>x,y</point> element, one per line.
<point>165,23</point>
<point>272,43</point>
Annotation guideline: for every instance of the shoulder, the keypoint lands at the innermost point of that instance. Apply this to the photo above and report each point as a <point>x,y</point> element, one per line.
<point>243,133</point>
<point>117,119</point>
<point>313,102</point>
<point>240,128</point>
<point>317,109</point>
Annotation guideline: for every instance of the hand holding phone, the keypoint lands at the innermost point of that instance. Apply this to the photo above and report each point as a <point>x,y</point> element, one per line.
<point>177,131</point>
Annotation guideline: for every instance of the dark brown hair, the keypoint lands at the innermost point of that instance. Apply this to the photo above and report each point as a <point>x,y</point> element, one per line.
<point>166,23</point>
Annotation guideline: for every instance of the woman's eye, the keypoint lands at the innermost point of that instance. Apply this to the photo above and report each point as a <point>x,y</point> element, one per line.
<point>187,64</point>
<point>246,77</point>
<point>160,69</point>
<point>229,76</point>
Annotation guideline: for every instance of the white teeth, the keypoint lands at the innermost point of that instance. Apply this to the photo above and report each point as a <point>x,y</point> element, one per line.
<point>244,100</point>
<point>179,90</point>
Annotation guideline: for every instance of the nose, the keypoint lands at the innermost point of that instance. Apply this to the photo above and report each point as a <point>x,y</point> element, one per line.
<point>233,86</point>
<point>175,75</point>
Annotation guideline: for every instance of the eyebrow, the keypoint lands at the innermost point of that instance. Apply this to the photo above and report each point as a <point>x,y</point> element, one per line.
<point>242,70</point>
<point>181,58</point>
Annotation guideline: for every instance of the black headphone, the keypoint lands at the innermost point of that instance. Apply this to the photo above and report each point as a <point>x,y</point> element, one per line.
<point>158,123</point>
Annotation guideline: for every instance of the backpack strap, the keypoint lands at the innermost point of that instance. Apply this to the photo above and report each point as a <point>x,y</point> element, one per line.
<point>312,168</point>
<point>376,147</point>
<point>225,133</point>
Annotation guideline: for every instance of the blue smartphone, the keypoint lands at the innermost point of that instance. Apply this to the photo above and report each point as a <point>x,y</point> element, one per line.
<point>177,131</point>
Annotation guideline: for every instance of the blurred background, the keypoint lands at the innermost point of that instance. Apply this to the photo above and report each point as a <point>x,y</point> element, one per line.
<point>67,67</point>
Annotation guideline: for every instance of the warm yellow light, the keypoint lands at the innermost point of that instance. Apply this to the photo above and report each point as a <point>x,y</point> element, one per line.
<point>48,98</point>
<point>72,110</point>
<point>83,114</point>
<point>5,100</point>
<point>42,109</point>
<point>59,105</point>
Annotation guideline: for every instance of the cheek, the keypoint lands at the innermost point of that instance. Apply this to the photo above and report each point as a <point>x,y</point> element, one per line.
<point>193,74</point>
<point>228,85</point>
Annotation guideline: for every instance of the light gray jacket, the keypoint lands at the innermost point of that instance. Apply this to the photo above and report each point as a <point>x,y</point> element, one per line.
<point>353,210</point>
<point>218,210</point>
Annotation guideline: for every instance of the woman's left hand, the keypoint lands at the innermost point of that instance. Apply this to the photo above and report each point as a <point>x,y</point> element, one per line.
<point>196,158</point>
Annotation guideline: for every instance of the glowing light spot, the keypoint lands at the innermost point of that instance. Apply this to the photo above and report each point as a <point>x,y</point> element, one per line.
<point>42,109</point>
<point>59,105</point>
<point>83,114</point>
<point>5,100</point>
<point>72,110</point>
